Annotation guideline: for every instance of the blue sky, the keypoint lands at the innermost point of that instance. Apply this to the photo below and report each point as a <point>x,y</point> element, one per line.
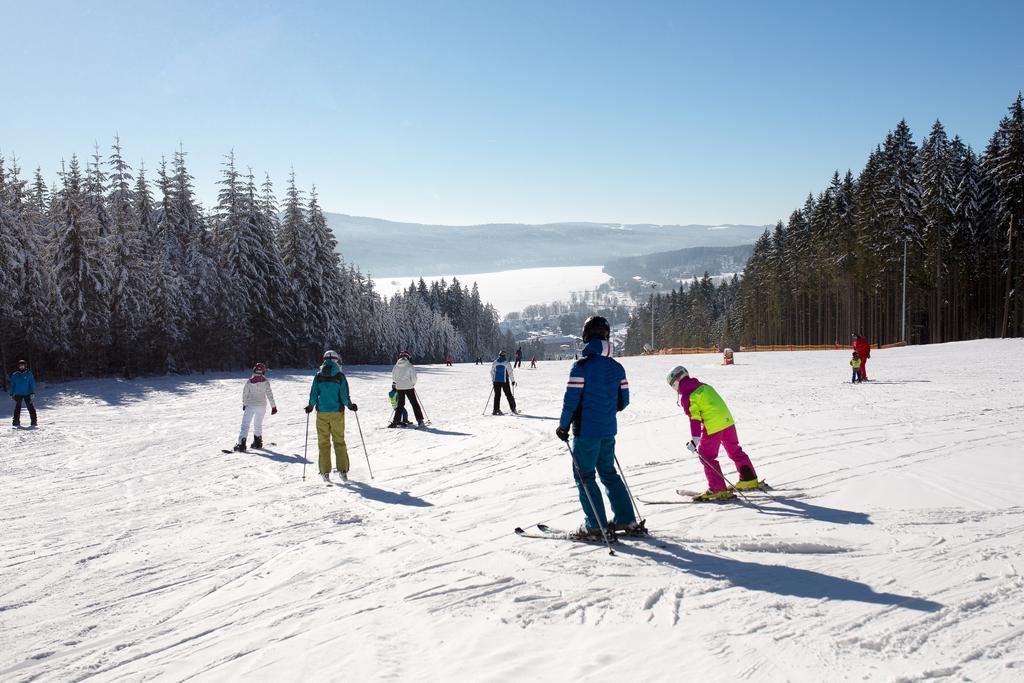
<point>468,112</point>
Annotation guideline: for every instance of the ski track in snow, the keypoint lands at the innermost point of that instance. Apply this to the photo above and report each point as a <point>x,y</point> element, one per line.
<point>890,548</point>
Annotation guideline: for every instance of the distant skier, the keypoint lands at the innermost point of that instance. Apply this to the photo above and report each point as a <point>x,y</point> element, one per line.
<point>23,389</point>
<point>519,357</point>
<point>448,360</point>
<point>403,375</point>
<point>255,395</point>
<point>856,364</point>
<point>393,398</point>
<point>596,392</point>
<point>711,426</point>
<point>863,348</point>
<point>502,380</point>
<point>533,363</point>
<point>329,395</point>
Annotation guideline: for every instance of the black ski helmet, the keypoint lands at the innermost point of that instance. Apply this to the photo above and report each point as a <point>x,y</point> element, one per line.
<point>596,327</point>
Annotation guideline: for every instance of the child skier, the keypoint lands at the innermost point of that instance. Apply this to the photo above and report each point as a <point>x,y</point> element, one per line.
<point>23,388</point>
<point>711,426</point>
<point>329,395</point>
<point>533,363</point>
<point>855,363</point>
<point>393,398</point>
<point>502,380</point>
<point>403,376</point>
<point>255,395</point>
<point>597,390</point>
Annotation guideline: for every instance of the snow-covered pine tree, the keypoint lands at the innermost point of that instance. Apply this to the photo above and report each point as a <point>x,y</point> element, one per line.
<point>80,270</point>
<point>128,303</point>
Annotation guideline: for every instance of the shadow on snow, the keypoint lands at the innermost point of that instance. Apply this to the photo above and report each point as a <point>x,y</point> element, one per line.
<point>799,508</point>
<point>390,497</point>
<point>770,578</point>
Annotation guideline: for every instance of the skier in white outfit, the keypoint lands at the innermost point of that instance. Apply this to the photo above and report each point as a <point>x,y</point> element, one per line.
<point>403,376</point>
<point>255,395</point>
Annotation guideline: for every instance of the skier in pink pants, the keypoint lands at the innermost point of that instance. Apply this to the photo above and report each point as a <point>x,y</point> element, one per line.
<point>711,426</point>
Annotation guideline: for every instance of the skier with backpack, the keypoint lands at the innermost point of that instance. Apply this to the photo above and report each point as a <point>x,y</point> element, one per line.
<point>393,400</point>
<point>330,396</point>
<point>502,380</point>
<point>255,395</point>
<point>711,427</point>
<point>403,376</point>
<point>596,392</point>
<point>23,389</point>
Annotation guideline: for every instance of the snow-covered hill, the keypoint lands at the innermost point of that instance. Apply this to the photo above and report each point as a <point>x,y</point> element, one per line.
<point>132,548</point>
<point>513,290</point>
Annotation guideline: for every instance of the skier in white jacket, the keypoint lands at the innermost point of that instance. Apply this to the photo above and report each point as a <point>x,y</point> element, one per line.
<point>254,406</point>
<point>404,377</point>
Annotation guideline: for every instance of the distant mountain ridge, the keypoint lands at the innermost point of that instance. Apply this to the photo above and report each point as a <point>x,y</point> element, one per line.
<point>388,248</point>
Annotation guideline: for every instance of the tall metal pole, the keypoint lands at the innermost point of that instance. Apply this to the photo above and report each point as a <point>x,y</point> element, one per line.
<point>903,331</point>
<point>653,285</point>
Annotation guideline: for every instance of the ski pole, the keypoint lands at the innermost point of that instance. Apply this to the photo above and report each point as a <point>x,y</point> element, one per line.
<point>423,407</point>
<point>488,401</point>
<point>729,483</point>
<point>622,473</point>
<point>593,508</point>
<point>365,454</point>
<point>305,449</point>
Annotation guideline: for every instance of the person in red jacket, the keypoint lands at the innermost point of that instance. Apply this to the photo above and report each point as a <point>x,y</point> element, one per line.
<point>863,348</point>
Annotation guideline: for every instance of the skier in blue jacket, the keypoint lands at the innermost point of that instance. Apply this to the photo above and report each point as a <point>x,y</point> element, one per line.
<point>597,390</point>
<point>23,388</point>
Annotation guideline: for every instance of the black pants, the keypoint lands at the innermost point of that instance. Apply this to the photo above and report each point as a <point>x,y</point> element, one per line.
<point>17,409</point>
<point>507,388</point>
<point>519,361</point>
<point>411,393</point>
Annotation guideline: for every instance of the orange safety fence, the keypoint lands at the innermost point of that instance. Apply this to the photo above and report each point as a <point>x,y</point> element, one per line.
<point>762,347</point>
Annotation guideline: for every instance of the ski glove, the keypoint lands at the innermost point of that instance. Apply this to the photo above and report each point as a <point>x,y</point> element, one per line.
<point>273,411</point>
<point>243,407</point>
<point>308,409</point>
<point>353,407</point>
<point>693,444</point>
<point>562,434</point>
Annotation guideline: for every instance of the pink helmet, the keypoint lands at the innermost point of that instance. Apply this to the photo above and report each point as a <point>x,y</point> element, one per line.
<point>404,354</point>
<point>259,368</point>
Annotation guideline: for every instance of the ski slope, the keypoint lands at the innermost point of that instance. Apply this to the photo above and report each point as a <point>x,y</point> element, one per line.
<point>132,548</point>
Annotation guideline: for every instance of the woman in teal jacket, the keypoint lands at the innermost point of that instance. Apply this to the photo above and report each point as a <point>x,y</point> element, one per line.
<point>23,388</point>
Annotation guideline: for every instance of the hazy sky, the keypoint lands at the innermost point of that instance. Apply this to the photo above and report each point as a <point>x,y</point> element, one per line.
<point>467,112</point>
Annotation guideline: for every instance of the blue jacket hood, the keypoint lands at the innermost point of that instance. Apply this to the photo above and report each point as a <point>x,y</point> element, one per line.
<point>597,347</point>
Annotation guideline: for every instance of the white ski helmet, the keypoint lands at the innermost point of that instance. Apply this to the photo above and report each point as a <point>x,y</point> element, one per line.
<point>332,355</point>
<point>678,373</point>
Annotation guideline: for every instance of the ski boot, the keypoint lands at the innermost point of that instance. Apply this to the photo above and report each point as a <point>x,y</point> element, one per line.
<point>586,533</point>
<point>748,480</point>
<point>342,475</point>
<point>257,442</point>
<point>420,424</point>
<point>633,528</point>
<point>240,446</point>
<point>497,412</point>
<point>326,476</point>
<point>713,496</point>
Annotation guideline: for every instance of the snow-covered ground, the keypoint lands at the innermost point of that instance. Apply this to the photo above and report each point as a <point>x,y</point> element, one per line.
<point>513,290</point>
<point>132,548</point>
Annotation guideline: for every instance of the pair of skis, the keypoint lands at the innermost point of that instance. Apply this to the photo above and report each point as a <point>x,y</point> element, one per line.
<point>555,534</point>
